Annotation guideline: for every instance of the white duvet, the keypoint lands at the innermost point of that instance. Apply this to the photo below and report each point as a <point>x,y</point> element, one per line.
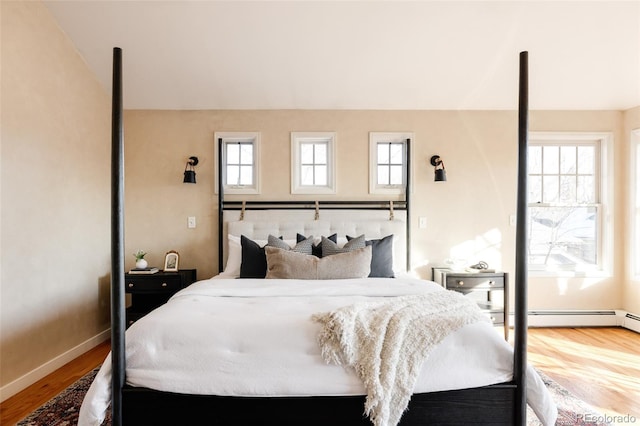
<point>255,337</point>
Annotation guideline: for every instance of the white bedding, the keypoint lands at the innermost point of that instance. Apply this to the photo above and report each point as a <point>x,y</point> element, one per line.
<point>255,337</point>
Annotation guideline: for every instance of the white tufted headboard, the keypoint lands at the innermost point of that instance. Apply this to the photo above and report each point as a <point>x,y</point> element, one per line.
<point>374,224</point>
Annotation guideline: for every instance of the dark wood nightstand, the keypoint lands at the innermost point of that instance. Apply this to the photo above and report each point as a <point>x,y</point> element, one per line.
<point>148,291</point>
<point>489,289</point>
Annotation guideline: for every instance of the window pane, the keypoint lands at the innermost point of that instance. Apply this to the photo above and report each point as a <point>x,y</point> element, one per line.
<point>383,175</point>
<point>233,175</point>
<point>550,159</point>
<point>396,175</point>
<point>306,153</point>
<point>246,175</point>
<point>550,189</point>
<point>383,153</point>
<point>535,189</point>
<point>568,159</point>
<point>306,175</point>
<point>586,190</point>
<point>397,156</point>
<point>586,162</point>
<point>320,175</point>
<point>568,189</point>
<point>563,236</point>
<point>321,153</point>
<point>535,159</point>
<point>246,153</point>
<point>233,153</point>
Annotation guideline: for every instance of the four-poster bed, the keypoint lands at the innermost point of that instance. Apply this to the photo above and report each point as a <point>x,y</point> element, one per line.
<point>501,402</point>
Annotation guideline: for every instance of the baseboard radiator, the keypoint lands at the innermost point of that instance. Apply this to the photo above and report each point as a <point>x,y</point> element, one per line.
<point>632,322</point>
<point>573,318</point>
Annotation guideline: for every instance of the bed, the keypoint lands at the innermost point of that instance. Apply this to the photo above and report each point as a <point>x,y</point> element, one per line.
<point>246,351</point>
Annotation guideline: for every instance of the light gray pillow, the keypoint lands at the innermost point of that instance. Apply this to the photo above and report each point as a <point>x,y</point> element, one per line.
<point>330,248</point>
<point>286,264</point>
<point>305,246</point>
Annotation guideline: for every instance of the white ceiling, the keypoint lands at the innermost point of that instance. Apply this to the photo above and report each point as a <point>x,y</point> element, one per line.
<point>361,54</point>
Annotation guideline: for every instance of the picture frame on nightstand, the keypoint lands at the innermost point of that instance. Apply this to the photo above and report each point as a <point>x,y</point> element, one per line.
<point>171,260</point>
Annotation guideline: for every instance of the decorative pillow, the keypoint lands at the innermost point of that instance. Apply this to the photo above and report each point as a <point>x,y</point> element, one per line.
<point>330,248</point>
<point>381,257</point>
<point>254,262</point>
<point>290,265</point>
<point>316,249</point>
<point>305,246</point>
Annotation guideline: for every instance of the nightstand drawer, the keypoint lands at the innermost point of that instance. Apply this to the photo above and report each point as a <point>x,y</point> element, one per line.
<point>152,284</point>
<point>473,282</point>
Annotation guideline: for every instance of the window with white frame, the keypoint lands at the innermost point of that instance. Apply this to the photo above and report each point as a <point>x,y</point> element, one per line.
<point>313,163</point>
<point>565,202</point>
<point>240,154</point>
<point>388,162</point>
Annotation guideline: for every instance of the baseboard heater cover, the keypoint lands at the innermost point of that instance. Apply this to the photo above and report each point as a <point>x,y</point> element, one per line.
<point>572,318</point>
<point>632,322</point>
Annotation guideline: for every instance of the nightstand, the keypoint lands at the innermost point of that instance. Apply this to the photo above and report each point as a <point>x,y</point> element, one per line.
<point>490,290</point>
<point>148,291</point>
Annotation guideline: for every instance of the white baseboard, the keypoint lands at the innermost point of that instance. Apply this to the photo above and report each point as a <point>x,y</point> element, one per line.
<point>49,367</point>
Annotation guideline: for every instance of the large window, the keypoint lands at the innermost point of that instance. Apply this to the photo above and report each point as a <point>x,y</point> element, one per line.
<point>388,162</point>
<point>565,202</point>
<point>240,162</point>
<point>312,163</point>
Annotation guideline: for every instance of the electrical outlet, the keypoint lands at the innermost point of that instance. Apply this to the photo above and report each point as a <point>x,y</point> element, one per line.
<point>191,222</point>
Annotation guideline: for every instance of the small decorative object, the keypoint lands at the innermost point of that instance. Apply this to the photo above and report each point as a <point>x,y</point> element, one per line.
<point>171,261</point>
<point>141,263</point>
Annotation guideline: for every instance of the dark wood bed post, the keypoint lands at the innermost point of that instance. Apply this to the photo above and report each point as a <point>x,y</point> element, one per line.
<point>117,243</point>
<point>407,197</point>
<point>220,207</point>
<point>520,326</point>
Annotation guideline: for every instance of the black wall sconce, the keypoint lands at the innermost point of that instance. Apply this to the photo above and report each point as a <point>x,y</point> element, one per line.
<point>189,172</point>
<point>441,174</point>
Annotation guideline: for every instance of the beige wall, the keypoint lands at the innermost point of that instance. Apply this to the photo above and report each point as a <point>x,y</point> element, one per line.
<point>55,194</point>
<point>631,289</point>
<point>468,216</point>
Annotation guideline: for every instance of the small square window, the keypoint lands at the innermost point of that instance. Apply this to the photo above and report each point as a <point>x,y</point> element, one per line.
<point>313,163</point>
<point>388,162</point>
<point>240,161</point>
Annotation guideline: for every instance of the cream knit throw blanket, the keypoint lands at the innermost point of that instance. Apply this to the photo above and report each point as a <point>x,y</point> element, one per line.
<point>386,342</point>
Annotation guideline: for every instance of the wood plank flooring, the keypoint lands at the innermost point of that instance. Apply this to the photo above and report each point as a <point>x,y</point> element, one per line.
<point>23,403</point>
<point>599,365</point>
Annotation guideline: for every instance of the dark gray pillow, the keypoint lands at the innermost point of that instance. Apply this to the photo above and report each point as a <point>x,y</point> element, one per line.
<point>304,246</point>
<point>329,247</point>
<point>381,257</point>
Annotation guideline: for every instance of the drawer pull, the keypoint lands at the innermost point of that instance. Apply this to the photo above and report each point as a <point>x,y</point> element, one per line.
<point>493,319</point>
<point>164,284</point>
<point>130,285</point>
<point>460,282</point>
<point>492,283</point>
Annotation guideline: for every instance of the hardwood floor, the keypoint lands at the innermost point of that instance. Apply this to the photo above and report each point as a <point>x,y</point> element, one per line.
<point>23,403</point>
<point>599,365</point>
